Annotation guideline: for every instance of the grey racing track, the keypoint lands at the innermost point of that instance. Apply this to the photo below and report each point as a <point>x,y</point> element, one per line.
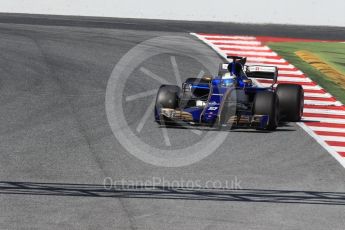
<point>56,145</point>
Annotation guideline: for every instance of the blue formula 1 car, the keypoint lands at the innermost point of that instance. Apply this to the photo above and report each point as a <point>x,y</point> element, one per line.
<point>231,99</point>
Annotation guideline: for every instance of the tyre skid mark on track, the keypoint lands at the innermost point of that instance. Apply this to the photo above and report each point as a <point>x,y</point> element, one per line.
<point>324,117</point>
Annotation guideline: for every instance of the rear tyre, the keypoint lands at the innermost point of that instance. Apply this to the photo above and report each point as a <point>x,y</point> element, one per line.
<point>267,103</point>
<point>291,102</point>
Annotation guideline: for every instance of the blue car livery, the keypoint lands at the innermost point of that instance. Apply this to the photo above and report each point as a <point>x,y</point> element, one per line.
<point>232,99</point>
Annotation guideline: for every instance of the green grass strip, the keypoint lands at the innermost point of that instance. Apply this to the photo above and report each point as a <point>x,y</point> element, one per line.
<point>332,53</point>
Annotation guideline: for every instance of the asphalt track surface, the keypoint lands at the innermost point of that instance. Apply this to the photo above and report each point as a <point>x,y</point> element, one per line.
<point>57,146</point>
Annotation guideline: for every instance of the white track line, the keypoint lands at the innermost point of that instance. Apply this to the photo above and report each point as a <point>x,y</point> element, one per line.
<point>215,48</point>
<point>295,72</point>
<point>312,102</point>
<point>338,149</point>
<point>331,150</point>
<point>295,79</point>
<point>332,138</point>
<point>244,47</point>
<point>320,95</point>
<point>325,111</point>
<point>326,129</point>
<point>325,119</point>
<point>280,66</point>
<point>313,87</point>
<point>263,59</point>
<point>226,37</point>
<point>236,42</point>
<point>244,53</point>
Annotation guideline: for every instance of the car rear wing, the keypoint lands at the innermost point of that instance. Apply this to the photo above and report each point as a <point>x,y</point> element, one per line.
<point>267,72</point>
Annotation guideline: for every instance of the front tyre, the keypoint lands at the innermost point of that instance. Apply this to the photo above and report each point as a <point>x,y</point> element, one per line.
<point>167,98</point>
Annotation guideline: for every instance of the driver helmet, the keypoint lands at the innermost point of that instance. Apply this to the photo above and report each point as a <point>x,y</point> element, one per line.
<point>228,80</point>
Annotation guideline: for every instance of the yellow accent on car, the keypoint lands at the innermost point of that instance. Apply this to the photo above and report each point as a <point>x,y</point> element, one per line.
<point>176,114</point>
<point>207,78</point>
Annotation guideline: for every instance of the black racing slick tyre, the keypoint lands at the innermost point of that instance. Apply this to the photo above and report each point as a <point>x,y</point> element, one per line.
<point>168,97</point>
<point>291,102</point>
<point>267,103</point>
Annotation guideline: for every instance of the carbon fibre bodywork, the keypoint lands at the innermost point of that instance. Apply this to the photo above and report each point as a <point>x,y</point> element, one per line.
<point>222,101</point>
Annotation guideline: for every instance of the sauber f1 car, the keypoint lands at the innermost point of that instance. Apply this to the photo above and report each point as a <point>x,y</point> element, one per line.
<point>232,99</point>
